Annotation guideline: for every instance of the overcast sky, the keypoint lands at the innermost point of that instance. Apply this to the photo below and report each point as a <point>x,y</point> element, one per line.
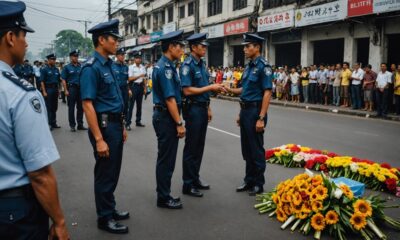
<point>38,16</point>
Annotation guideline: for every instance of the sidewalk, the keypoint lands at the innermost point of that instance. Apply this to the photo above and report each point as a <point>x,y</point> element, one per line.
<point>321,108</point>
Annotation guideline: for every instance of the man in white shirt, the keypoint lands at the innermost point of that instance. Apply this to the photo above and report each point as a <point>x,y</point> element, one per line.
<point>357,76</point>
<point>36,71</point>
<point>137,74</point>
<point>313,84</point>
<point>323,85</point>
<point>383,81</point>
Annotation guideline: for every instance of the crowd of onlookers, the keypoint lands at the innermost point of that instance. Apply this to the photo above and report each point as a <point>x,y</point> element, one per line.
<point>358,87</point>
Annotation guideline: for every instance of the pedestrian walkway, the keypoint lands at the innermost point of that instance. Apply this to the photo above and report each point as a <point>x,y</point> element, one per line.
<point>321,108</point>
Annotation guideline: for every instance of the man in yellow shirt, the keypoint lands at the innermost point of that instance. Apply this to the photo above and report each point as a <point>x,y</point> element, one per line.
<point>346,75</point>
<point>397,89</point>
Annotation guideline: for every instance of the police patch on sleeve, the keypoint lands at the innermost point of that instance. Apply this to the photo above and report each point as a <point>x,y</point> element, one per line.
<point>168,73</point>
<point>268,71</point>
<point>35,104</point>
<point>185,70</point>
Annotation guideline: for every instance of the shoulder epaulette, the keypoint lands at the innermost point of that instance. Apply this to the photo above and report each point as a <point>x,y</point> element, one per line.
<point>90,61</point>
<point>188,60</point>
<point>24,84</point>
<point>264,61</point>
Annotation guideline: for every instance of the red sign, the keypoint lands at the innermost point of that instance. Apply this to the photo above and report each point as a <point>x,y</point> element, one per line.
<point>144,39</point>
<point>359,7</point>
<point>236,27</point>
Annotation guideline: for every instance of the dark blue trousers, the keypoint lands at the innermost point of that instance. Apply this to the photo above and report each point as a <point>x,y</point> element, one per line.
<point>52,105</point>
<point>382,101</point>
<point>75,100</point>
<point>313,88</point>
<point>23,218</point>
<point>252,146</point>
<point>125,97</point>
<point>167,143</point>
<point>137,91</point>
<point>106,171</point>
<point>356,96</point>
<point>196,122</point>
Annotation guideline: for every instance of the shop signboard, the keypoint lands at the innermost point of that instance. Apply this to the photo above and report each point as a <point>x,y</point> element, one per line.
<point>275,21</point>
<point>144,39</point>
<point>327,12</point>
<point>359,7</point>
<point>215,31</point>
<point>236,27</point>
<point>381,6</point>
<point>169,27</point>
<point>154,36</point>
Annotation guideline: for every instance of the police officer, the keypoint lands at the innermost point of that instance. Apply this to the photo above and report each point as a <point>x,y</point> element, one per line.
<point>70,80</point>
<point>255,97</point>
<point>196,112</point>
<point>28,71</point>
<point>28,188</point>
<point>167,122</point>
<point>121,70</point>
<point>103,106</point>
<point>19,70</point>
<point>137,74</point>
<point>49,80</point>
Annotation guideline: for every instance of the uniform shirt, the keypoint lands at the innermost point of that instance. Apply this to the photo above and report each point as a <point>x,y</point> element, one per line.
<point>357,74</point>
<point>165,82</point>
<point>99,84</point>
<point>313,76</point>
<point>27,71</point>
<point>149,72</point>
<point>36,70</point>
<point>322,76</point>
<point>135,71</point>
<point>19,70</point>
<point>50,75</point>
<point>383,79</point>
<point>26,143</point>
<point>194,73</point>
<point>346,74</point>
<point>257,77</point>
<point>70,73</point>
<point>121,72</point>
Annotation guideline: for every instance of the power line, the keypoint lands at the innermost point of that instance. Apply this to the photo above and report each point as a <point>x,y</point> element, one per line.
<point>62,7</point>
<point>54,15</point>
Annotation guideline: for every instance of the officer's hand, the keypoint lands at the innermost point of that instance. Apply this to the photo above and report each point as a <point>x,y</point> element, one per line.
<point>216,87</point>
<point>130,93</point>
<point>260,126</point>
<point>238,121</point>
<point>66,93</point>
<point>102,149</point>
<point>209,115</point>
<point>44,94</point>
<point>181,131</point>
<point>58,232</point>
<point>124,135</point>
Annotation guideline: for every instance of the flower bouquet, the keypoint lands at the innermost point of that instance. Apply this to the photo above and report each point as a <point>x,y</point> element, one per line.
<point>315,204</point>
<point>379,177</point>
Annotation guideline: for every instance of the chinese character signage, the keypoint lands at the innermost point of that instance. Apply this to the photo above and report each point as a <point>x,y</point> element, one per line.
<point>381,6</point>
<point>328,12</point>
<point>144,39</point>
<point>359,7</point>
<point>236,27</point>
<point>276,21</point>
<point>169,27</point>
<point>215,31</point>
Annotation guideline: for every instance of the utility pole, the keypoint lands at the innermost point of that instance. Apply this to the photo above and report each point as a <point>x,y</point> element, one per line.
<point>109,10</point>
<point>86,22</point>
<point>196,16</point>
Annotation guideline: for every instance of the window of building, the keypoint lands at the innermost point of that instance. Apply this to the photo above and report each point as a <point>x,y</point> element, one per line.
<point>162,20</point>
<point>239,4</point>
<point>214,7</point>
<point>170,13</point>
<point>148,18</point>
<point>155,21</point>
<point>190,8</point>
<point>267,4</point>
<point>182,11</point>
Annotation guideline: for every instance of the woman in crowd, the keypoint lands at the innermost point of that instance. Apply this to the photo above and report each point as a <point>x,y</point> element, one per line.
<point>294,79</point>
<point>304,78</point>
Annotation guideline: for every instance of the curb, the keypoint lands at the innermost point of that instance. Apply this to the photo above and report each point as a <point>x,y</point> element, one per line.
<point>312,107</point>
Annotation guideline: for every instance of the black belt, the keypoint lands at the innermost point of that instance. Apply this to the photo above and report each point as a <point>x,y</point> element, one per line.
<point>23,191</point>
<point>201,104</point>
<point>244,105</point>
<point>51,85</point>
<point>159,108</point>
<point>111,117</point>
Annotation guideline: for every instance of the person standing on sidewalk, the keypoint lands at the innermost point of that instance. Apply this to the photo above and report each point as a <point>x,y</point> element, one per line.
<point>357,76</point>
<point>344,91</point>
<point>368,87</point>
<point>28,185</point>
<point>255,95</point>
<point>313,89</point>
<point>383,81</point>
<point>397,89</point>
<point>336,85</point>
<point>305,79</point>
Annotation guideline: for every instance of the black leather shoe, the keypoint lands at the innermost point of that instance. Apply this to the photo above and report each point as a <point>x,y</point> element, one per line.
<point>128,128</point>
<point>123,215</point>
<point>244,187</point>
<point>81,128</point>
<point>55,126</point>
<point>73,129</point>
<point>176,199</point>
<point>170,204</point>
<point>112,226</point>
<point>191,191</point>
<point>256,190</point>
<point>201,185</point>
<point>140,125</point>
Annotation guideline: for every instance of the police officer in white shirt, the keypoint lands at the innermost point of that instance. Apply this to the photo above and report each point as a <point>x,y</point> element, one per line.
<point>137,75</point>
<point>357,76</point>
<point>382,91</point>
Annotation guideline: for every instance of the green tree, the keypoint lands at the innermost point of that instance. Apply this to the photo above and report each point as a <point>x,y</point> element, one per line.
<point>68,40</point>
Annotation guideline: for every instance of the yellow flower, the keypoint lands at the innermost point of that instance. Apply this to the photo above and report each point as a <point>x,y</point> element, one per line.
<point>275,198</point>
<point>286,197</point>
<point>287,209</point>
<point>331,217</point>
<point>347,191</point>
<point>358,221</point>
<point>318,222</point>
<point>306,208</point>
<point>280,215</point>
<point>303,186</point>
<point>314,195</point>
<point>278,154</point>
<point>363,207</point>
<point>296,198</point>
<point>317,180</point>
<point>322,192</point>
<point>296,208</point>
<point>301,215</point>
<point>381,178</point>
<point>317,206</point>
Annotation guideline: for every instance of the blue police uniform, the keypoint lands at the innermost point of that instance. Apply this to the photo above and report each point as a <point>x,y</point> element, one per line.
<point>256,78</point>
<point>166,84</point>
<point>28,72</point>
<point>99,84</point>
<point>50,76</point>
<point>19,70</point>
<point>121,70</point>
<point>24,147</point>
<point>70,74</point>
<point>193,73</point>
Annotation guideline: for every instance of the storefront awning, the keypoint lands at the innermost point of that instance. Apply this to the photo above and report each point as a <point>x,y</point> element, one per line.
<point>141,47</point>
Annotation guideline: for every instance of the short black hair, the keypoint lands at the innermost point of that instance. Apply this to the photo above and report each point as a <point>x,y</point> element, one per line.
<point>165,46</point>
<point>257,44</point>
<point>369,66</point>
<point>346,63</point>
<point>95,39</point>
<point>384,64</point>
<point>15,30</point>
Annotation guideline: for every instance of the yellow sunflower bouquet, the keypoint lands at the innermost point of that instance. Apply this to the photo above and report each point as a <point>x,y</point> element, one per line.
<point>315,203</point>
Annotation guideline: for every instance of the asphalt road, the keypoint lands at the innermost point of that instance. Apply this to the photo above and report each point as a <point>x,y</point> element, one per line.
<point>221,213</point>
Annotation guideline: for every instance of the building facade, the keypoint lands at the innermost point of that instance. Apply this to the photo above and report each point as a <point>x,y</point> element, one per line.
<point>128,27</point>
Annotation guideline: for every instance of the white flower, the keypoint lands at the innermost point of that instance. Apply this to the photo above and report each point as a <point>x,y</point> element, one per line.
<point>298,157</point>
<point>338,193</point>
<point>354,167</point>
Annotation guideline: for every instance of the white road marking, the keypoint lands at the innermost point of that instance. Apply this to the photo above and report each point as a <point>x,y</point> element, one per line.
<point>222,131</point>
